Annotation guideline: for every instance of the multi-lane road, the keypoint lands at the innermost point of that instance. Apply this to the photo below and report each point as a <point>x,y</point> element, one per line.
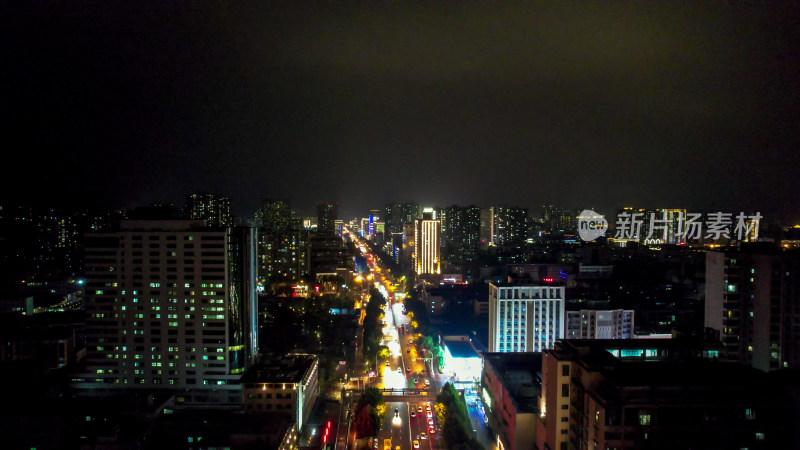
<point>411,417</point>
<point>411,420</point>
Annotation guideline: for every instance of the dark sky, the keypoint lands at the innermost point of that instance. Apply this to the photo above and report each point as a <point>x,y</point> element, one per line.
<point>604,105</point>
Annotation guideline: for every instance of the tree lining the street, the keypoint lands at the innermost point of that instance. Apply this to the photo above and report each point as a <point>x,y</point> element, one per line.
<point>370,412</point>
<point>456,427</point>
<point>373,319</point>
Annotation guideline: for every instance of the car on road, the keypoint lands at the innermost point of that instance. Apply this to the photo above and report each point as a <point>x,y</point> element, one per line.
<point>432,430</point>
<point>430,423</point>
<point>416,444</point>
<point>396,412</point>
<point>430,414</point>
<point>423,435</point>
<point>419,409</point>
<point>413,414</point>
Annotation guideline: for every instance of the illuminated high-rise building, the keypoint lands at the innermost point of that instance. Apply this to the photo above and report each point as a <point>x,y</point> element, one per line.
<point>752,302</point>
<point>276,215</point>
<point>509,226</point>
<point>215,210</point>
<point>327,213</point>
<point>486,226</point>
<point>283,244</point>
<point>171,304</point>
<point>461,228</point>
<point>525,318</point>
<point>396,215</point>
<point>283,255</point>
<point>665,224</point>
<point>408,252</point>
<point>427,259</point>
<point>372,220</point>
<point>558,220</point>
<point>39,244</point>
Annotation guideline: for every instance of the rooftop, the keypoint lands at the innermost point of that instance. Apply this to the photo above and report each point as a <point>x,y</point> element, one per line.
<point>460,349</point>
<point>290,369</point>
<point>526,284</point>
<point>521,375</point>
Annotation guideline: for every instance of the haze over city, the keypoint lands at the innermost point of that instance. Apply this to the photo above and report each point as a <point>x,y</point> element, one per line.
<point>598,105</point>
<point>400,225</point>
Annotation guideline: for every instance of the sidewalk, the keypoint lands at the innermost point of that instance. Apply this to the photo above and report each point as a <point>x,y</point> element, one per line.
<point>477,419</point>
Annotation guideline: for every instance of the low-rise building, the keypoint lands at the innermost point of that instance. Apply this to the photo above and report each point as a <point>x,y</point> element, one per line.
<point>461,360</point>
<point>509,389</point>
<point>291,386</point>
<point>600,324</point>
<point>434,302</point>
<point>658,394</point>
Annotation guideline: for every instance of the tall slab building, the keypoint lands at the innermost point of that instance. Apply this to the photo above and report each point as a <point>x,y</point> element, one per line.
<point>461,227</point>
<point>752,302</point>
<point>171,304</point>
<point>212,208</point>
<point>396,215</point>
<point>327,213</point>
<point>509,226</point>
<point>427,258</point>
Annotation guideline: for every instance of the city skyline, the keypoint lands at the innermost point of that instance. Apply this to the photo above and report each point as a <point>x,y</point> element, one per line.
<point>428,225</point>
<point>525,104</point>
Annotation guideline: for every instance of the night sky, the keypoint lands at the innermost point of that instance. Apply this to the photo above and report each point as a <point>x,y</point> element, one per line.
<point>604,105</point>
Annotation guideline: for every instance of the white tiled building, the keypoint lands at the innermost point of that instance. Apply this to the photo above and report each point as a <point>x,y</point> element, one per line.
<point>600,324</point>
<point>525,318</point>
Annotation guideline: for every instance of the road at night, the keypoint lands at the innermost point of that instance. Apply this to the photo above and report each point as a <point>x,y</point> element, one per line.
<point>405,369</point>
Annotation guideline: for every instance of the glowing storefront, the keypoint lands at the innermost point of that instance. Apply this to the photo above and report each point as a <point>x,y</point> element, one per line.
<point>461,361</point>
